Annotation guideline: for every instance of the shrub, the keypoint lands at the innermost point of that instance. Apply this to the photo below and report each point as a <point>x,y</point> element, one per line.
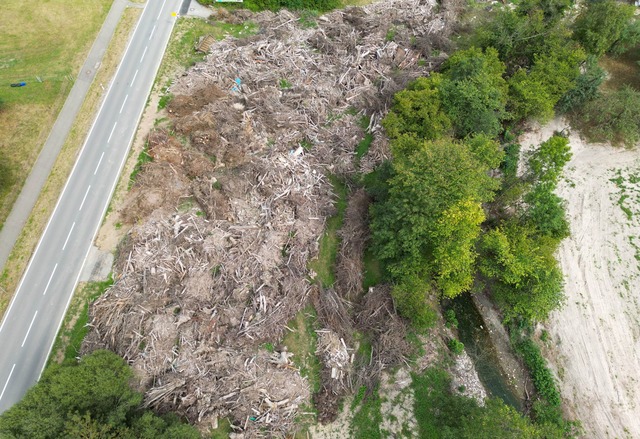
<point>456,346</point>
<point>410,298</point>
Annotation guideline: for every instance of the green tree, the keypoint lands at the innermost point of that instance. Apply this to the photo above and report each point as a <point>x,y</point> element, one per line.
<point>602,24</point>
<point>90,399</point>
<point>523,274</point>
<point>552,10</point>
<point>417,111</point>
<point>441,414</point>
<point>613,117</point>
<point>546,212</point>
<point>433,194</point>
<point>529,97</point>
<point>474,93</point>
<point>547,161</point>
<point>629,38</point>
<point>585,88</point>
<point>454,238</point>
<point>516,37</point>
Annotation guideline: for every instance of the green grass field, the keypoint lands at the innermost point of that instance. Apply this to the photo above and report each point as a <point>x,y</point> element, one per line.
<point>48,40</point>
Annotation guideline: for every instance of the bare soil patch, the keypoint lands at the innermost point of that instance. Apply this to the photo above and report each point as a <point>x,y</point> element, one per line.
<point>596,352</point>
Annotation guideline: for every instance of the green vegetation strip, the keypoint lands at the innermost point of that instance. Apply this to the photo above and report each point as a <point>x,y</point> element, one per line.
<point>74,328</point>
<point>324,264</point>
<point>367,417</point>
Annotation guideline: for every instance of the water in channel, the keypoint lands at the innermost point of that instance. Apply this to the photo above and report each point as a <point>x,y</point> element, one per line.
<point>477,341</point>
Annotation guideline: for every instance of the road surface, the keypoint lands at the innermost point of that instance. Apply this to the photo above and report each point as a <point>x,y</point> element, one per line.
<point>35,314</point>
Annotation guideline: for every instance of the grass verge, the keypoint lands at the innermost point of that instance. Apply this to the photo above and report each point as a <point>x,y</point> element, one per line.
<point>43,44</point>
<point>34,226</point>
<point>74,328</point>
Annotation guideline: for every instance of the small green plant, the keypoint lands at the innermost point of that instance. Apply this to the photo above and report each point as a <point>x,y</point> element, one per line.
<point>544,336</point>
<point>215,271</point>
<point>216,185</point>
<point>367,416</point>
<point>456,346</point>
<point>307,19</point>
<point>268,347</point>
<point>164,101</point>
<point>143,158</point>
<point>391,34</point>
<point>118,225</point>
<point>284,84</point>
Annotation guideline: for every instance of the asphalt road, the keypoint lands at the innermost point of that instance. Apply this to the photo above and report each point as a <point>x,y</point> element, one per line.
<point>35,314</point>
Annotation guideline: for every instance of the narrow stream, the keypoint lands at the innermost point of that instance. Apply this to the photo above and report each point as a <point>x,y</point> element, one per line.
<point>481,350</point>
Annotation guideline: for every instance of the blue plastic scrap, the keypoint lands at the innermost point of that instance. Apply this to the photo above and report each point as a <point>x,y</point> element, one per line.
<point>238,84</point>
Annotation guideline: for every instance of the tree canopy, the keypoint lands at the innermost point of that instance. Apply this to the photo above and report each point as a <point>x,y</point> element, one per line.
<point>428,224</point>
<point>602,24</point>
<point>473,91</point>
<point>90,399</point>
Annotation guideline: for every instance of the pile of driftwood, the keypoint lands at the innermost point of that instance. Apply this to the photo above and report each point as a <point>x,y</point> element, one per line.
<point>228,214</point>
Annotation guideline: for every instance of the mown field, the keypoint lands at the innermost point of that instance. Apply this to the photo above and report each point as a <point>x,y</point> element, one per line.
<point>41,41</point>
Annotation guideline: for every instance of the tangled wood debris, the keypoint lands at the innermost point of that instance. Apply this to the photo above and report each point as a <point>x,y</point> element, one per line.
<point>231,209</point>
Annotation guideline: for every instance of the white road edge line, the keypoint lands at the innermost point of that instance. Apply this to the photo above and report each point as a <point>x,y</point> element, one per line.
<point>84,198</point>
<point>50,277</point>
<point>99,161</point>
<point>68,236</point>
<point>112,130</point>
<point>7,383</point>
<point>152,31</point>
<point>106,205</point>
<point>64,189</point>
<point>29,330</point>
<point>124,102</point>
<point>134,78</point>
<point>144,53</point>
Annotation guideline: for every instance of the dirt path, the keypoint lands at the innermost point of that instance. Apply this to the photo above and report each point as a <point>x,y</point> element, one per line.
<point>596,334</point>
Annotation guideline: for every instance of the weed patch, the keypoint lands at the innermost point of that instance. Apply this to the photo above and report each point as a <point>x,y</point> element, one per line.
<point>74,328</point>
<point>367,417</point>
<point>302,342</point>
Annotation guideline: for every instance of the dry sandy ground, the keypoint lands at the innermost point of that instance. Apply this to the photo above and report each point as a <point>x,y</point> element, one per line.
<point>596,334</point>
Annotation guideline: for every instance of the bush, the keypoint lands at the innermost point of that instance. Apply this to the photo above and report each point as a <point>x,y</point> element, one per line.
<point>410,298</point>
<point>585,88</point>
<point>455,346</point>
<point>450,319</point>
